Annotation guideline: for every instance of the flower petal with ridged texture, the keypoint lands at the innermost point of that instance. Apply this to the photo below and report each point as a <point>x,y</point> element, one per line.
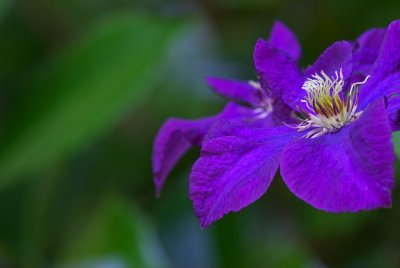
<point>385,75</point>
<point>347,171</point>
<point>174,139</point>
<point>242,91</point>
<point>279,72</point>
<point>236,167</point>
<point>365,52</point>
<point>177,136</point>
<point>335,57</point>
<point>284,39</point>
<point>236,90</point>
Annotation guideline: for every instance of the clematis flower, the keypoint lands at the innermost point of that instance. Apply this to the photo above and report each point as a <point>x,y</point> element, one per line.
<point>338,157</point>
<point>249,103</point>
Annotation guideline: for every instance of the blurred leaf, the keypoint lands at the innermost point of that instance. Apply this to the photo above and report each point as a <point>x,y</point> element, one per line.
<point>86,90</point>
<point>249,4</point>
<point>4,5</point>
<point>322,226</point>
<point>278,252</point>
<point>116,235</point>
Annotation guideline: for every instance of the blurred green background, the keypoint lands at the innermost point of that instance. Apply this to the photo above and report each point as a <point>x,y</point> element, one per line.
<point>84,87</point>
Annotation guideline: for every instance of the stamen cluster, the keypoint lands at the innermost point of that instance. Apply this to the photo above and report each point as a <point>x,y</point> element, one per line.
<point>327,107</point>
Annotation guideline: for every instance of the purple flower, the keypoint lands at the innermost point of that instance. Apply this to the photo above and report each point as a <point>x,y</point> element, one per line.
<point>338,157</point>
<point>177,136</point>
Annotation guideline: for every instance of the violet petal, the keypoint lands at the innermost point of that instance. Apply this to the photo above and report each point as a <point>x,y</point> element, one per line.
<point>174,139</point>
<point>385,77</point>
<point>284,39</point>
<point>365,52</point>
<point>176,136</point>
<point>236,90</point>
<point>335,57</point>
<point>236,167</point>
<point>347,171</point>
<point>278,72</point>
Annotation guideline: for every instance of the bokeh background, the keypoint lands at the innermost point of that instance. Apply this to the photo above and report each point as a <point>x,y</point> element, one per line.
<point>84,87</point>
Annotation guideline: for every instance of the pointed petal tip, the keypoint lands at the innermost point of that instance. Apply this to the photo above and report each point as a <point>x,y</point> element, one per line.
<point>214,82</point>
<point>279,72</point>
<point>393,30</point>
<point>158,183</point>
<point>262,42</point>
<point>175,137</point>
<point>343,46</point>
<point>235,169</point>
<point>279,23</point>
<point>284,39</point>
<point>210,79</point>
<point>395,23</point>
<point>235,90</point>
<point>206,221</point>
<point>157,191</point>
<point>204,224</point>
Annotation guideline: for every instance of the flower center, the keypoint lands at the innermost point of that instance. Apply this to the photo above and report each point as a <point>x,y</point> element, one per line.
<point>327,107</point>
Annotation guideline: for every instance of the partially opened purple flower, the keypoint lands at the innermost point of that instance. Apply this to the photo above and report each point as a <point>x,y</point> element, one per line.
<point>338,157</point>
<point>176,136</point>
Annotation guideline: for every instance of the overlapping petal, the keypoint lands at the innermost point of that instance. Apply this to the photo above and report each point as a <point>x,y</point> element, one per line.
<point>281,74</point>
<point>278,72</point>
<point>365,52</point>
<point>335,57</point>
<point>236,166</point>
<point>347,171</point>
<point>236,90</point>
<point>177,136</point>
<point>385,76</point>
<point>245,92</point>
<point>283,38</point>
